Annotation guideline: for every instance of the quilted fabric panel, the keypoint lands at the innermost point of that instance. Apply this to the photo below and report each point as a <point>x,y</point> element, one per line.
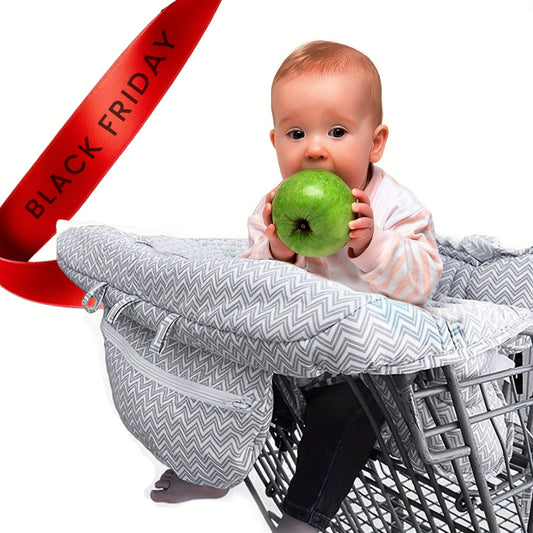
<point>493,435</point>
<point>478,268</point>
<point>201,435</point>
<point>276,316</point>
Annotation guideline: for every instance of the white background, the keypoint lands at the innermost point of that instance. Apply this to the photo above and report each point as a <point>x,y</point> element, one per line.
<point>458,89</point>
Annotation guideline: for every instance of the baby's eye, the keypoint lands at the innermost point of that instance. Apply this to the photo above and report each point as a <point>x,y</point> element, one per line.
<point>337,132</point>
<point>296,134</point>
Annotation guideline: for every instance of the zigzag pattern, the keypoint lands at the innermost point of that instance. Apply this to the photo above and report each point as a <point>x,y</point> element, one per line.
<point>478,268</point>
<point>489,449</point>
<point>275,316</point>
<point>240,320</point>
<point>203,443</point>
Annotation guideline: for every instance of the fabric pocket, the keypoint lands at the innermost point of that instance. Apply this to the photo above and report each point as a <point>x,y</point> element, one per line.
<point>202,416</point>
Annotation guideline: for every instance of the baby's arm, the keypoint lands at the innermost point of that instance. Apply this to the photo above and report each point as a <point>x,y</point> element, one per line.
<point>402,261</point>
<point>278,250</point>
<point>362,228</point>
<point>264,242</point>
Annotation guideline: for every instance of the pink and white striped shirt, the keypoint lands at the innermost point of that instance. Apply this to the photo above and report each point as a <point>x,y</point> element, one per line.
<point>402,260</point>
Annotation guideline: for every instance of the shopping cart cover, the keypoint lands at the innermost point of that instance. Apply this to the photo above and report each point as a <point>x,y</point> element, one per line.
<point>276,316</point>
<point>478,267</point>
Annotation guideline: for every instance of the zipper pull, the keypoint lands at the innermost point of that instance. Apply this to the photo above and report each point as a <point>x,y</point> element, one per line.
<point>244,404</point>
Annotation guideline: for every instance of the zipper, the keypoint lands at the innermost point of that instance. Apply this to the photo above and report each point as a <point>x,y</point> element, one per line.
<point>197,391</point>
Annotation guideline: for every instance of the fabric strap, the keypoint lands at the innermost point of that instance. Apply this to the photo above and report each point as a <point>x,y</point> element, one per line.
<point>86,147</point>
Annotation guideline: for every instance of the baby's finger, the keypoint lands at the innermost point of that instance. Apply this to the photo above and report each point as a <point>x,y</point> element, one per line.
<point>361,223</point>
<point>270,231</point>
<point>359,234</point>
<point>362,210</point>
<point>267,214</point>
<point>270,195</point>
<point>361,196</point>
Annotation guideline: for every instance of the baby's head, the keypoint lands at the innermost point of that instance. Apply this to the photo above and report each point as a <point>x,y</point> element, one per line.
<point>327,57</point>
<point>327,111</point>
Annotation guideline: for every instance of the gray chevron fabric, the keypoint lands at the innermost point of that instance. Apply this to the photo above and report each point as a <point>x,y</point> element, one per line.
<point>279,317</point>
<point>475,268</point>
<point>168,395</point>
<point>230,322</point>
<point>205,439</point>
<point>493,434</point>
<point>478,268</point>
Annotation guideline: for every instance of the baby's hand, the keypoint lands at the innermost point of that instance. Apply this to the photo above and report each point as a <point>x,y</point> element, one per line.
<point>278,250</point>
<point>362,228</point>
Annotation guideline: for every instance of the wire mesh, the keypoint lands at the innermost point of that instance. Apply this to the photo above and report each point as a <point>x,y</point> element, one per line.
<point>397,492</point>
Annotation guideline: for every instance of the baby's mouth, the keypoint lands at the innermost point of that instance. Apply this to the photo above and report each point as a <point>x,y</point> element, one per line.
<point>321,167</point>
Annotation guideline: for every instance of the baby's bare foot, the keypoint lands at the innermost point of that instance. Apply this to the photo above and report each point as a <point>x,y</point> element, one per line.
<point>172,489</point>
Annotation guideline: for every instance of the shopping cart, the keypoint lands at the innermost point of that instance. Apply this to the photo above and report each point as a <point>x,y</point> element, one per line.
<point>392,495</point>
<point>468,470</point>
<point>406,486</point>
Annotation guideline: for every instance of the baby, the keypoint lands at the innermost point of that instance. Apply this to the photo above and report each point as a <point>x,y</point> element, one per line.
<point>326,105</point>
<point>327,112</point>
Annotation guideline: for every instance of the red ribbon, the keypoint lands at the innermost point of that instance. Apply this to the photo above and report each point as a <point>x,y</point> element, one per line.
<point>86,147</point>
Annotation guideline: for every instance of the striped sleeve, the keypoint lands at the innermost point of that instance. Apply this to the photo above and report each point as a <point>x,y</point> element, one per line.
<point>403,261</point>
<point>259,245</point>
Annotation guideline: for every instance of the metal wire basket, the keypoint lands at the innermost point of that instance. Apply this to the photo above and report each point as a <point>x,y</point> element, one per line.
<point>405,490</point>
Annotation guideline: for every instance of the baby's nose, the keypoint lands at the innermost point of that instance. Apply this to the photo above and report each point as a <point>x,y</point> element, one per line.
<point>316,149</point>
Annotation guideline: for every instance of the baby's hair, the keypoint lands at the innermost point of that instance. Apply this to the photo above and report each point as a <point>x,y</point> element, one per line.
<point>325,57</point>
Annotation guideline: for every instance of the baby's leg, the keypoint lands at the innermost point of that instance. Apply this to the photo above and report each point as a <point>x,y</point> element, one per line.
<point>288,524</point>
<point>172,489</point>
<point>336,443</point>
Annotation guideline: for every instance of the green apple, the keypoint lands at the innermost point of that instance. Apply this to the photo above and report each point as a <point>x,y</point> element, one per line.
<point>311,211</point>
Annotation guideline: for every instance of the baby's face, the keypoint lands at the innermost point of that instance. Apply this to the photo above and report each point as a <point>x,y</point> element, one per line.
<point>323,122</point>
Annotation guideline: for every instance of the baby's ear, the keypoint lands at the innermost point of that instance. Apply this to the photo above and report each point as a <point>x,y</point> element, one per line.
<point>381,134</point>
<point>273,138</point>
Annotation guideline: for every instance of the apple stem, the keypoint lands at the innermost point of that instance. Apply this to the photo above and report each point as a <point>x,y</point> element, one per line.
<point>301,226</point>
